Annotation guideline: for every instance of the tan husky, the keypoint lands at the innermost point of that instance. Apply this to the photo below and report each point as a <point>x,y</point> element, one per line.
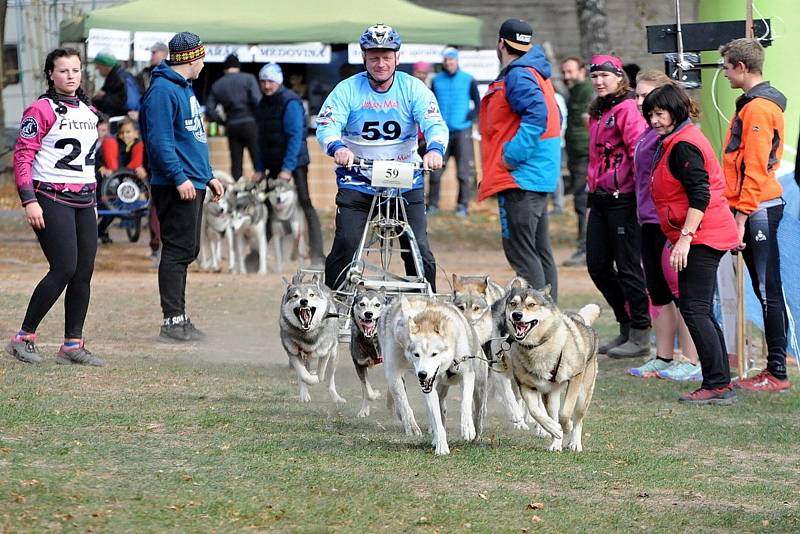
<point>552,353</point>
<point>436,341</point>
<point>474,296</point>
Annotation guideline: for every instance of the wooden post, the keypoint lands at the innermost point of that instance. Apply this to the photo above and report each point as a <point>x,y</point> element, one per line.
<point>741,357</point>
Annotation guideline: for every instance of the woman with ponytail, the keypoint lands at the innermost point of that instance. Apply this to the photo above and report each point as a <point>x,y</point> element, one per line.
<point>55,176</point>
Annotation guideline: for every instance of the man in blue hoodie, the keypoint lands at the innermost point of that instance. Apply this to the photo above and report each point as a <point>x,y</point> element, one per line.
<point>520,126</point>
<point>177,150</point>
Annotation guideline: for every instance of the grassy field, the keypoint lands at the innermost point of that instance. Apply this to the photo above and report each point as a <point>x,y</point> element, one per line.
<point>211,438</point>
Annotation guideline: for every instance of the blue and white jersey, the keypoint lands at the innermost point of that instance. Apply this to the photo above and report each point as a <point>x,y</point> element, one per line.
<point>379,126</point>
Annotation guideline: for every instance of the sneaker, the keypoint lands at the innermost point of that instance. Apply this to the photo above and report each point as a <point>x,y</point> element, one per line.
<point>432,210</point>
<point>682,371</point>
<point>106,239</point>
<point>23,348</point>
<point>79,356</point>
<point>725,396</point>
<point>194,333</point>
<point>461,211</point>
<point>578,259</point>
<point>650,369</point>
<point>764,381</point>
<point>174,332</point>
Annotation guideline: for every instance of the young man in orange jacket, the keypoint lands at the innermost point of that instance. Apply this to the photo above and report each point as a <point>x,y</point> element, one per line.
<point>753,149</point>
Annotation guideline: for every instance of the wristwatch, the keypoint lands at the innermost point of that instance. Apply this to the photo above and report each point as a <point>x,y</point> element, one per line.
<point>685,232</point>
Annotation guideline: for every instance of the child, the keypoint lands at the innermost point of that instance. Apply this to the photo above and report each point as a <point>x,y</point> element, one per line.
<point>125,151</point>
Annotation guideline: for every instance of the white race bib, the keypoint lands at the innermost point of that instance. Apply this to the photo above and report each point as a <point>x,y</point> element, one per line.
<point>392,174</point>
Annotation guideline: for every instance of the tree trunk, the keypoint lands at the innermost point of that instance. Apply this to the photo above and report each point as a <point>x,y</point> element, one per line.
<point>593,27</point>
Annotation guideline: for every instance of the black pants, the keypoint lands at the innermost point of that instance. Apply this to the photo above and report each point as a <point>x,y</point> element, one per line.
<point>240,136</point>
<point>69,242</point>
<point>763,261</point>
<point>578,168</point>
<point>180,244</point>
<point>460,147</point>
<point>352,209</point>
<point>613,257</point>
<point>526,238</point>
<point>696,284</point>
<point>653,241</point>
<point>300,177</point>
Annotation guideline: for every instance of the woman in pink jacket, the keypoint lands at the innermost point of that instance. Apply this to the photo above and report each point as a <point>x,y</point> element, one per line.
<point>613,237</point>
<point>54,171</point>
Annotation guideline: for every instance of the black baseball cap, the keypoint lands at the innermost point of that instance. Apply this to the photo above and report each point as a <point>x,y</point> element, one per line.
<point>517,34</point>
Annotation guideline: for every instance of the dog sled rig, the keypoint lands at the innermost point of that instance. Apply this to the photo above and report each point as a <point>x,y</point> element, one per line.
<point>387,234</point>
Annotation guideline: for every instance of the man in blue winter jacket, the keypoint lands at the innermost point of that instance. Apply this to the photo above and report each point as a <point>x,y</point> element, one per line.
<point>177,150</point>
<point>455,90</point>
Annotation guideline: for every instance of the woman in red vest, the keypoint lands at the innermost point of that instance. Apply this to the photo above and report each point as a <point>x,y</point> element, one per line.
<point>688,192</point>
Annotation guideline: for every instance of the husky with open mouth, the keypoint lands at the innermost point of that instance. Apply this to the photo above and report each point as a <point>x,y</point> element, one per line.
<point>474,296</point>
<point>368,306</point>
<point>552,353</point>
<point>309,334</point>
<point>436,340</point>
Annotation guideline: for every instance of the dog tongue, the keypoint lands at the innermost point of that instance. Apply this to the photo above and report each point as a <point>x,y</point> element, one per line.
<point>305,315</point>
<point>368,327</point>
<point>521,328</point>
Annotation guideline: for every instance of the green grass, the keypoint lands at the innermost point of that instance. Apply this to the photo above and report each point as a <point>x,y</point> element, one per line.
<point>178,445</point>
<point>212,439</point>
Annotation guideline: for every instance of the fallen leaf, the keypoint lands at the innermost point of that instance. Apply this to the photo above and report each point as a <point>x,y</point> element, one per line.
<point>483,496</point>
<point>536,506</point>
<point>67,517</point>
<point>4,450</point>
<point>186,478</point>
<point>536,519</point>
<point>765,522</point>
<point>19,499</point>
<point>31,482</point>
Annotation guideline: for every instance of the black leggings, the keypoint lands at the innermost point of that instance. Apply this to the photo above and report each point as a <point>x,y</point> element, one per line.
<point>69,242</point>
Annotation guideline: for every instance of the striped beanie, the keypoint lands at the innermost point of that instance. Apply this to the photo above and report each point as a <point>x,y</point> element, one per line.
<point>185,47</point>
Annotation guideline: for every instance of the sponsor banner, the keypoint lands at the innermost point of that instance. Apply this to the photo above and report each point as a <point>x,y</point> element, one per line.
<point>292,53</point>
<point>118,42</point>
<point>217,52</point>
<point>483,65</point>
<point>143,41</point>
<point>409,53</point>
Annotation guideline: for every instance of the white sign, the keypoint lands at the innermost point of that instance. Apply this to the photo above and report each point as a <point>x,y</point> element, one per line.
<point>117,42</point>
<point>216,52</point>
<point>483,65</point>
<point>144,41</point>
<point>292,53</point>
<point>409,53</point>
<point>392,174</point>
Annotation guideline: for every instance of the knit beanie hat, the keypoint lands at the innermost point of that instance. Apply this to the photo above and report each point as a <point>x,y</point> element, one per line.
<point>271,72</point>
<point>185,47</point>
<point>105,57</point>
<point>231,62</point>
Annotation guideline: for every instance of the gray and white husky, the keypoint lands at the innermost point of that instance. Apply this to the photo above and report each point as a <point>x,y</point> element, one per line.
<point>216,226</point>
<point>474,296</point>
<point>287,223</point>
<point>309,333</point>
<point>367,309</point>
<point>435,340</point>
<point>553,354</point>
<point>249,225</point>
